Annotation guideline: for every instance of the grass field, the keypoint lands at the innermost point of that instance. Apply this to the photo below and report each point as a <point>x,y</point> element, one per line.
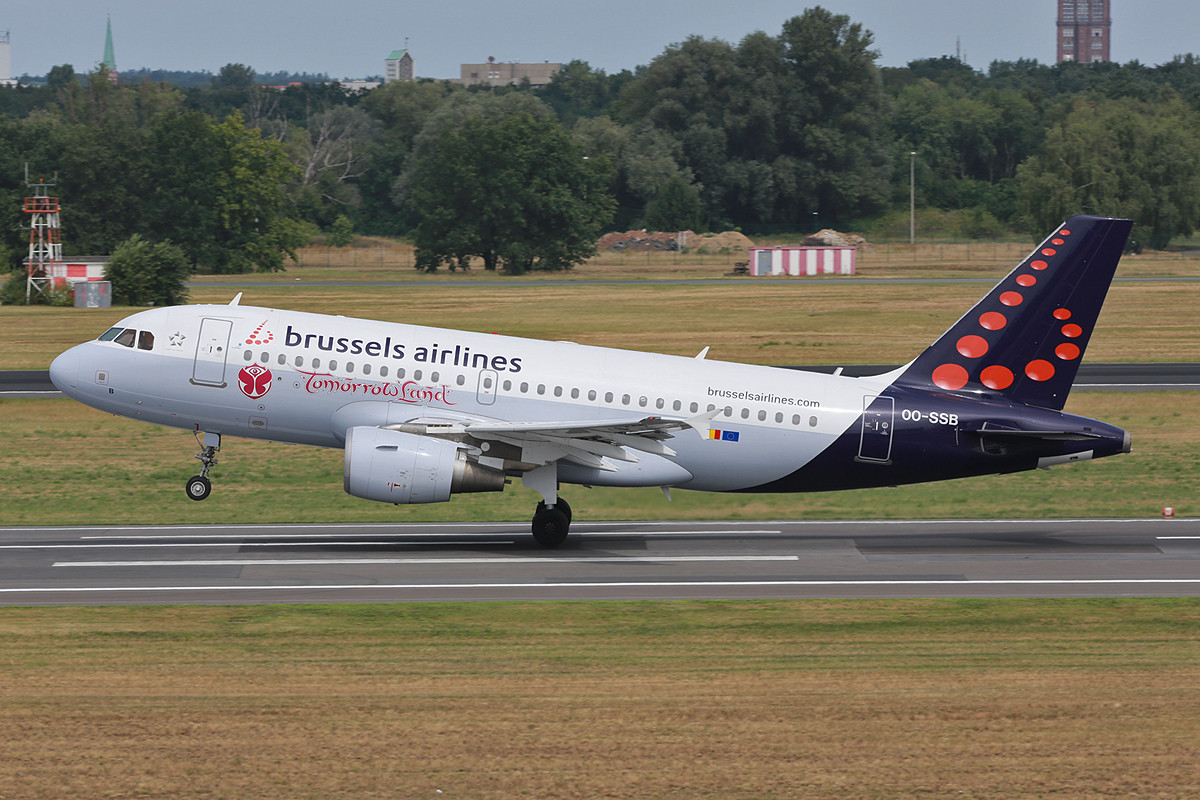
<point>810,699</point>
<point>66,464</point>
<point>746,700</point>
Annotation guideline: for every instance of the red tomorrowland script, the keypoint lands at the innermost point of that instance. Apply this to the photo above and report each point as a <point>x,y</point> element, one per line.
<point>407,392</point>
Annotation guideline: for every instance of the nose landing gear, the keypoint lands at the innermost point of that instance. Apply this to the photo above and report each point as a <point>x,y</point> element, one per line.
<point>198,487</point>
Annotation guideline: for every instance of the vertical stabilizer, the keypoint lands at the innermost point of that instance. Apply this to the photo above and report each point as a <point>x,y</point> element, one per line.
<point>1025,339</point>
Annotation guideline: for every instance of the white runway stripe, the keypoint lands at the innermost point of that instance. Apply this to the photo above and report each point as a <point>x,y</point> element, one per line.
<point>255,562</point>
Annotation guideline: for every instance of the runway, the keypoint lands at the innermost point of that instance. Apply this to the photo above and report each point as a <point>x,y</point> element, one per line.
<point>337,563</point>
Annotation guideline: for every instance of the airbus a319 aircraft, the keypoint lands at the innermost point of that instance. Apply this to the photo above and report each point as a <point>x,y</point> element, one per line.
<point>424,413</point>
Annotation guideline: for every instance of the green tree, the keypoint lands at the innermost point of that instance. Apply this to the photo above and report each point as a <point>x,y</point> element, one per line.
<point>777,127</point>
<point>514,191</point>
<point>676,207</point>
<point>1128,158</point>
<point>218,192</point>
<point>238,77</point>
<point>148,273</point>
<point>341,232</point>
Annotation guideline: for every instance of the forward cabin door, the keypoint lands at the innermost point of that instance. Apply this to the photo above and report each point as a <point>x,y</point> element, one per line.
<point>212,348</point>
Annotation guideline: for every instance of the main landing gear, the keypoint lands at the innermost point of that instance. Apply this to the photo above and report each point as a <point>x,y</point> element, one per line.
<point>198,486</point>
<point>551,524</point>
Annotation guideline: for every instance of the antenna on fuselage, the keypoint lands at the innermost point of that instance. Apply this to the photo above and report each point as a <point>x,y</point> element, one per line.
<point>235,299</point>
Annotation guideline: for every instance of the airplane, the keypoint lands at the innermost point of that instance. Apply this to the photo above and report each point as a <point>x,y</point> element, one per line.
<point>424,413</point>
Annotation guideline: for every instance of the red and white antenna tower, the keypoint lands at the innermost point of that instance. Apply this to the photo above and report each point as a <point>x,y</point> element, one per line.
<point>44,266</point>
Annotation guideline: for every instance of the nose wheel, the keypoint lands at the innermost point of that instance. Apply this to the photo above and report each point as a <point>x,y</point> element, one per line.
<point>199,487</point>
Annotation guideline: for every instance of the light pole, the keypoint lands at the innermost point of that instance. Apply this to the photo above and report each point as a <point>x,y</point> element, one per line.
<point>912,197</point>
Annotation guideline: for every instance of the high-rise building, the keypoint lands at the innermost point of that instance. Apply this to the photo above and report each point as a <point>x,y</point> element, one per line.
<point>1084,30</point>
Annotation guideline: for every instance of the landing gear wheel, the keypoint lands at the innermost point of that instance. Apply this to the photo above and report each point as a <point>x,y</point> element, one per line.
<point>564,507</point>
<point>198,487</point>
<point>550,525</point>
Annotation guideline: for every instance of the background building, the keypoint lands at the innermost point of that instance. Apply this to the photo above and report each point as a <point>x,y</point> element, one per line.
<point>5,61</point>
<point>398,66</point>
<point>512,72</point>
<point>1084,30</point>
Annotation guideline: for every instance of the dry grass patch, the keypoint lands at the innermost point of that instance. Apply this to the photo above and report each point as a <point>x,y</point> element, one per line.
<point>789,321</point>
<point>815,699</point>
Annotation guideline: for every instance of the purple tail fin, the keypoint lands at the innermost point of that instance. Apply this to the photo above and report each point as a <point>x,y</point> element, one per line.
<point>1025,339</point>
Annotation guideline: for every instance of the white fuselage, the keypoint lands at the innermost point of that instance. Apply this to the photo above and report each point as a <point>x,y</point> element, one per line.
<point>306,378</point>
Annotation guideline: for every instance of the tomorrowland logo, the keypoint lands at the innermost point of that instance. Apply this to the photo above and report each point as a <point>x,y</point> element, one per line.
<point>254,381</point>
<point>407,392</point>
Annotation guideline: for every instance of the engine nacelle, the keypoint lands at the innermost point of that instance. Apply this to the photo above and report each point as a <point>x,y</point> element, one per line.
<point>394,467</point>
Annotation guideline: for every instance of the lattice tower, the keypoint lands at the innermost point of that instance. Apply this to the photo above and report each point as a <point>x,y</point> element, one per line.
<point>44,266</point>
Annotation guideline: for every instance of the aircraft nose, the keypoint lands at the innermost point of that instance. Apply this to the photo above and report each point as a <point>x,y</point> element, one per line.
<point>64,370</point>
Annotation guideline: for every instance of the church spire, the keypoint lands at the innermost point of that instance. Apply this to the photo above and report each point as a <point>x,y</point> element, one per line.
<point>110,60</point>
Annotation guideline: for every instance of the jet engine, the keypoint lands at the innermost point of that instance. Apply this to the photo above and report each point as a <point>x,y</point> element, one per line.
<point>395,467</point>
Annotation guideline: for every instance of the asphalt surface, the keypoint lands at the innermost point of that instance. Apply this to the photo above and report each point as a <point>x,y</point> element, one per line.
<point>1092,377</point>
<point>237,564</point>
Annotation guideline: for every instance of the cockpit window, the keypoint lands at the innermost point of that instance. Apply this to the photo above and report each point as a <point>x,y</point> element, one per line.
<point>126,337</point>
<point>145,340</point>
<point>110,334</point>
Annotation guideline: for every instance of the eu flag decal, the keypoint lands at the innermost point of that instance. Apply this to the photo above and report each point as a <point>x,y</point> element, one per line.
<point>723,436</point>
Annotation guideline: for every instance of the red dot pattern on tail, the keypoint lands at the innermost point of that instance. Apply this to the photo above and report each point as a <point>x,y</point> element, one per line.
<point>952,376</point>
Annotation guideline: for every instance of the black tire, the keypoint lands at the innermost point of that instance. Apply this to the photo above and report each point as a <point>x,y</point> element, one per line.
<point>550,526</point>
<point>564,507</point>
<point>198,487</point>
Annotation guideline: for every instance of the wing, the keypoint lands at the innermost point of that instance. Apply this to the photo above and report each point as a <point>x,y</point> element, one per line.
<point>592,443</point>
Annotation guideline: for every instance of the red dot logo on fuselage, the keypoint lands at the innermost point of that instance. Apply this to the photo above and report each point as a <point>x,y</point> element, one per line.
<point>261,336</point>
<point>254,381</point>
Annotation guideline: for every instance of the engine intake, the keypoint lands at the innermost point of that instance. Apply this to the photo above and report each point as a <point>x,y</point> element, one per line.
<point>395,467</point>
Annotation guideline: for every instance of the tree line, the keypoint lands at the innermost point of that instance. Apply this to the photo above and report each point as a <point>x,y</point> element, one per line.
<point>781,131</point>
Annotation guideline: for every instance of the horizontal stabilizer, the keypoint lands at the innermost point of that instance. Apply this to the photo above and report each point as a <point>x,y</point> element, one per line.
<point>1045,436</point>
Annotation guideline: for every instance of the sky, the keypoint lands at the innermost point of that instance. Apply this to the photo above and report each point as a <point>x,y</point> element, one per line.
<point>351,40</point>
